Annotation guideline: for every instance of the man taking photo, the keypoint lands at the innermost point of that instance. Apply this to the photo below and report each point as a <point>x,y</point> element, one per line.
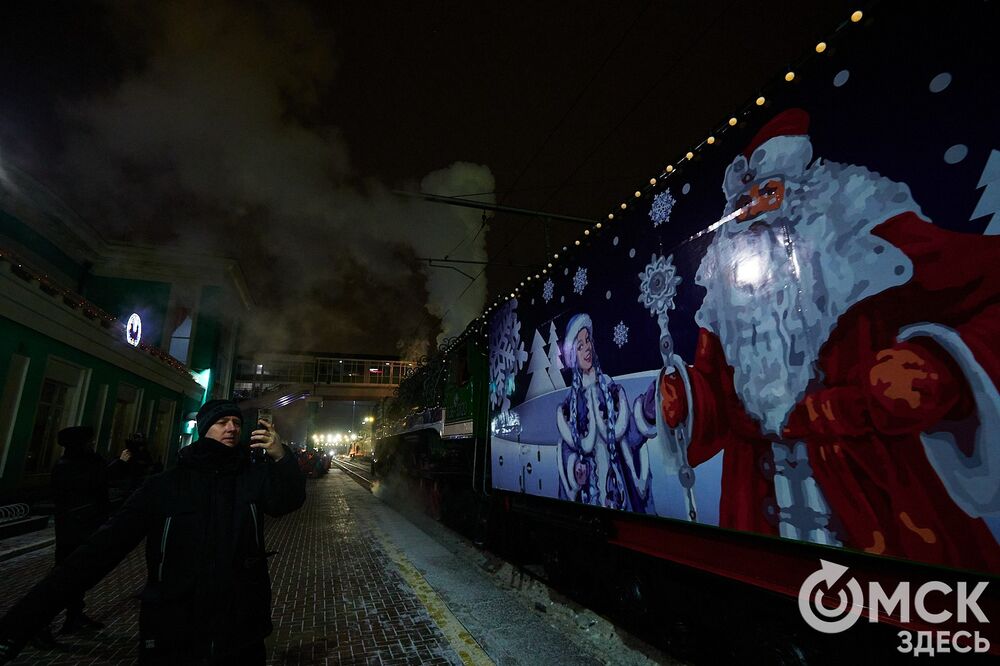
<point>207,598</point>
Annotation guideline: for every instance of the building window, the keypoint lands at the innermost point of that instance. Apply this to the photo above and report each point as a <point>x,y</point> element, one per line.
<point>180,341</point>
<point>162,429</point>
<point>124,417</point>
<point>49,420</point>
<point>60,403</point>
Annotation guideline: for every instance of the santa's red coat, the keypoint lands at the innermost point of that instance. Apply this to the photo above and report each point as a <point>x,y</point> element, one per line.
<point>884,495</point>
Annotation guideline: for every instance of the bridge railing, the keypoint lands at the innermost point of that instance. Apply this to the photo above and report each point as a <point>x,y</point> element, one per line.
<point>322,370</point>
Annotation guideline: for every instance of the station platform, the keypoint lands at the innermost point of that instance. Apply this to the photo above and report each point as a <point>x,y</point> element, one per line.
<point>356,582</point>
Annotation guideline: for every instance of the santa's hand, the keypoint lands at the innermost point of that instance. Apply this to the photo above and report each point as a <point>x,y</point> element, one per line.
<point>841,411</point>
<point>913,385</point>
<point>673,398</point>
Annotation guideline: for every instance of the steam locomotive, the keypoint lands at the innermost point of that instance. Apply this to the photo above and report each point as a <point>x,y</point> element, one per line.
<point>762,390</point>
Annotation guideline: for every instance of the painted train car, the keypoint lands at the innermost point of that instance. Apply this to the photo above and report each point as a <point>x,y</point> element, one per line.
<point>778,356</point>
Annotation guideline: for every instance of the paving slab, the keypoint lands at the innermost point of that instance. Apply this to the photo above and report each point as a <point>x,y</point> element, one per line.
<point>354,582</point>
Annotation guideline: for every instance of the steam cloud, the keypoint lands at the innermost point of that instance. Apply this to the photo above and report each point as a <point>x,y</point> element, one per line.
<point>212,145</point>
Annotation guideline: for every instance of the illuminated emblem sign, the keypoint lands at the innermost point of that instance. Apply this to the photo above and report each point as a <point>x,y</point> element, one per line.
<point>133,330</point>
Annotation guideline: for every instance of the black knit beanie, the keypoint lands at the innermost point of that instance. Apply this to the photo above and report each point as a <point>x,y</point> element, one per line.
<point>212,411</point>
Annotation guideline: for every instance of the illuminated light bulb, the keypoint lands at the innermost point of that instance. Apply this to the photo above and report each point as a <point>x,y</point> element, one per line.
<point>761,100</point>
<point>512,295</point>
<point>689,155</point>
<point>790,76</point>
<point>670,168</point>
<point>856,16</point>
<point>522,284</point>
<point>550,264</point>
<point>555,256</point>
<point>536,276</point>
<point>624,206</point>
<point>732,122</point>
<point>638,194</point>
<point>821,47</point>
<point>611,216</point>
<point>586,232</point>
<point>710,140</point>
<point>529,279</point>
<point>545,270</point>
<point>652,181</point>
<point>576,242</point>
<point>598,225</point>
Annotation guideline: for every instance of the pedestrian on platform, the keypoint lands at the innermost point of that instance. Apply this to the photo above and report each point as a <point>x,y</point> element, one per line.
<point>138,464</point>
<point>80,497</point>
<point>207,598</point>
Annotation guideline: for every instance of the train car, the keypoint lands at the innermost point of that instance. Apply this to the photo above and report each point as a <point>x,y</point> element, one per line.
<point>434,433</point>
<point>774,361</point>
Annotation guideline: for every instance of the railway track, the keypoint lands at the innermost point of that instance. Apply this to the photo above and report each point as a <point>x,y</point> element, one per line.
<point>360,472</point>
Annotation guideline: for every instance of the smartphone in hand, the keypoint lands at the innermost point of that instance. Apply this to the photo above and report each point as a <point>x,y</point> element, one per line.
<point>264,414</point>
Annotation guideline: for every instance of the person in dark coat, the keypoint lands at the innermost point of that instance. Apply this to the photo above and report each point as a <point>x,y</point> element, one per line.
<point>207,598</point>
<point>80,495</point>
<point>136,464</point>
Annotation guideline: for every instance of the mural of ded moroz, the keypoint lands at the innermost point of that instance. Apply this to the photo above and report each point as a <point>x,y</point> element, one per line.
<point>792,330</point>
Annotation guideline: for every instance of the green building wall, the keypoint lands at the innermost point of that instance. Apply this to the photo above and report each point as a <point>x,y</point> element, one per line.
<point>18,339</point>
<point>13,228</point>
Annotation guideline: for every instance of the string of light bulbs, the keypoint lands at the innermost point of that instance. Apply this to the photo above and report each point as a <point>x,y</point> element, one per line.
<point>479,325</point>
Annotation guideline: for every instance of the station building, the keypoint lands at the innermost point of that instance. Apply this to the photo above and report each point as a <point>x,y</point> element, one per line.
<point>119,336</point>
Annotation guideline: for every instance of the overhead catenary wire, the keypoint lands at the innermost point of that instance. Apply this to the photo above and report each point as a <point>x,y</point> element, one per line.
<point>710,25</point>
<point>552,132</point>
<point>544,143</point>
<point>559,123</point>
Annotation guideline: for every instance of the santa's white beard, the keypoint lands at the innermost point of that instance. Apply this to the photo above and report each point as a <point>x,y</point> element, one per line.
<point>776,290</point>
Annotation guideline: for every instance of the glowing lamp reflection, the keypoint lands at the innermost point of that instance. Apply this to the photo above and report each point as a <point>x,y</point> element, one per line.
<point>749,271</point>
<point>506,425</point>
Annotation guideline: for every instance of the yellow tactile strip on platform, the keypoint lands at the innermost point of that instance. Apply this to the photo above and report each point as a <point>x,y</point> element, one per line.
<point>464,644</point>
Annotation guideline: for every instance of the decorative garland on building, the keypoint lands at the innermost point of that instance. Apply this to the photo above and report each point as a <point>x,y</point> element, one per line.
<point>74,301</point>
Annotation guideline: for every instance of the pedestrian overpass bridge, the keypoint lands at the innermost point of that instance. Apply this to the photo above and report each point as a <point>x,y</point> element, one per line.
<point>276,380</point>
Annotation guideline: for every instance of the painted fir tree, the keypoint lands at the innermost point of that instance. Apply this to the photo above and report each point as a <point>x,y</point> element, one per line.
<point>555,362</point>
<point>538,365</point>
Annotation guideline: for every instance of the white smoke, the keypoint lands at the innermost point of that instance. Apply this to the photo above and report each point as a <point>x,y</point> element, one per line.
<point>211,145</point>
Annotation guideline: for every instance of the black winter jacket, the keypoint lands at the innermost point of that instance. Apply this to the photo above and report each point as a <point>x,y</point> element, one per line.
<point>80,494</point>
<point>208,590</point>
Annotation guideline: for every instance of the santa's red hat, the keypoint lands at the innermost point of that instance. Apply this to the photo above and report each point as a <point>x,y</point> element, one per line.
<point>791,122</point>
<point>781,148</point>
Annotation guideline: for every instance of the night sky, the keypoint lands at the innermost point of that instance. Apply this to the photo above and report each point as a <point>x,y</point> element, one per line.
<point>276,132</point>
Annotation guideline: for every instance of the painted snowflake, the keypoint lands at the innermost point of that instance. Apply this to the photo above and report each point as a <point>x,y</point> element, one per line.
<point>548,290</point>
<point>658,285</point>
<point>507,354</point>
<point>620,334</point>
<point>663,205</point>
<point>580,280</point>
